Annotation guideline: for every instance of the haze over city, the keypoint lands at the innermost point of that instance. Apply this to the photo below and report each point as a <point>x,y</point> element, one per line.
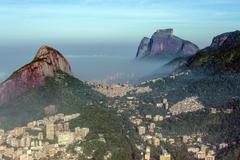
<point>120,80</point>
<point>97,28</point>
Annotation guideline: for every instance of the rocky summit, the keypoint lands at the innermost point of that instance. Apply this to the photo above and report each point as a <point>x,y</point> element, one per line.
<point>46,62</point>
<point>225,41</point>
<point>222,55</point>
<point>164,43</point>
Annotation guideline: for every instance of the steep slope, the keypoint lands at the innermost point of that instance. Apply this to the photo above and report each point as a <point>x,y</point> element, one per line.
<point>163,44</point>
<point>223,55</point>
<point>46,62</point>
<point>213,76</point>
<point>69,95</point>
<point>220,91</point>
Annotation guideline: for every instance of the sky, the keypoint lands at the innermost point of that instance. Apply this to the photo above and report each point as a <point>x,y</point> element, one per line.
<point>90,27</point>
<point>124,21</point>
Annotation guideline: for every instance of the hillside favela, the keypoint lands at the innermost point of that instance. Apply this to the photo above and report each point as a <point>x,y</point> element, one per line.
<point>120,80</point>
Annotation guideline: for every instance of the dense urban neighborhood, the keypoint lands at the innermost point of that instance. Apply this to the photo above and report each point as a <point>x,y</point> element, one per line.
<point>192,113</point>
<point>46,138</point>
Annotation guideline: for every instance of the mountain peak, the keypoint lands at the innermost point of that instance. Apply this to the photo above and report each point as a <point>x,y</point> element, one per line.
<point>44,65</point>
<point>165,32</point>
<point>221,56</point>
<point>53,57</point>
<point>164,44</point>
<point>44,51</point>
<point>226,40</point>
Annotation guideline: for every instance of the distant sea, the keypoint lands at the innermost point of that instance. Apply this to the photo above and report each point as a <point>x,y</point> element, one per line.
<point>89,63</point>
<point>110,69</point>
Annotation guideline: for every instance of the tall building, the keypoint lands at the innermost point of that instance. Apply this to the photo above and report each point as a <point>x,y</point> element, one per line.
<point>65,138</point>
<point>84,132</point>
<point>40,143</point>
<point>166,106</point>
<point>77,131</point>
<point>18,131</point>
<point>141,130</point>
<point>66,127</point>
<point>148,153</point>
<point>40,136</point>
<point>28,141</point>
<point>50,131</point>
<point>33,143</point>
<point>2,132</point>
<point>23,142</point>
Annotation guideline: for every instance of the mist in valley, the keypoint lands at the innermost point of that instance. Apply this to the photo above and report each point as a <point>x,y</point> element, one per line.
<point>108,63</point>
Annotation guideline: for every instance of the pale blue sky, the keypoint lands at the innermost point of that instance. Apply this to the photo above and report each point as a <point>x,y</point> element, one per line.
<point>114,20</point>
<point>105,26</point>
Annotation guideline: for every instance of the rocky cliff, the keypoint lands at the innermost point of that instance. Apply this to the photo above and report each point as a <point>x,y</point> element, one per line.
<point>46,62</point>
<point>225,41</point>
<point>164,43</point>
<point>223,55</point>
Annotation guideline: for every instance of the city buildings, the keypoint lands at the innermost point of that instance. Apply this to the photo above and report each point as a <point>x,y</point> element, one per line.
<point>42,139</point>
<point>165,156</point>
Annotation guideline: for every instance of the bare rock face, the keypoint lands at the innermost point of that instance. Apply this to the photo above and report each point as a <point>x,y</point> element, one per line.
<point>144,47</point>
<point>46,62</point>
<point>164,43</point>
<point>225,41</point>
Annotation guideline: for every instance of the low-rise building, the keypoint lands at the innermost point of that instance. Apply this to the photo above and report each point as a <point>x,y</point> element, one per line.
<point>65,138</point>
<point>222,145</point>
<point>158,118</point>
<point>152,126</point>
<point>148,153</point>
<point>141,130</point>
<point>193,149</point>
<point>165,156</point>
<point>148,116</point>
<point>159,105</point>
<point>52,151</point>
<point>210,157</point>
<point>156,141</point>
<point>171,140</point>
<point>200,155</point>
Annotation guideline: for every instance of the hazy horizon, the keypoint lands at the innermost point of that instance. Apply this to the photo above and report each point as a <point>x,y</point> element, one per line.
<point>98,28</point>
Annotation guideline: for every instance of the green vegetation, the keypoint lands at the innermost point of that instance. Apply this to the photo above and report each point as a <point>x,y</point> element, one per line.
<point>70,96</point>
<point>217,128</point>
<point>219,91</point>
<point>214,79</point>
<point>212,91</point>
<point>225,59</point>
<point>230,154</point>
